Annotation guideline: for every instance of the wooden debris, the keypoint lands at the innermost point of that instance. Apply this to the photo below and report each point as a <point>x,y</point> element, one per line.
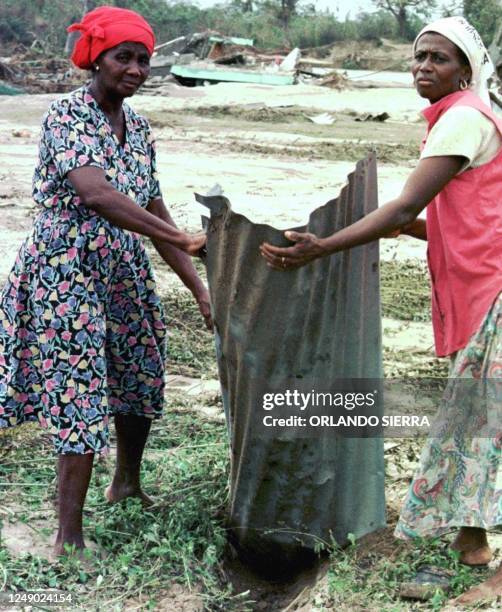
<point>380,117</point>
<point>334,80</point>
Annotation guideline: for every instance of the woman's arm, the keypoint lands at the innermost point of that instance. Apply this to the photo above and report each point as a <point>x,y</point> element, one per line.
<point>180,262</point>
<point>430,176</point>
<point>98,194</point>
<point>417,229</point>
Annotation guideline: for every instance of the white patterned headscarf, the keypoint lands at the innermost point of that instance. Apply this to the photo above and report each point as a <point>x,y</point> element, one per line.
<point>461,33</point>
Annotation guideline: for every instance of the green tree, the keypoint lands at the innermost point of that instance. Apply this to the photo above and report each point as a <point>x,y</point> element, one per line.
<point>402,11</point>
<point>485,16</point>
<point>288,9</point>
<point>44,21</point>
<point>246,6</point>
<point>284,10</point>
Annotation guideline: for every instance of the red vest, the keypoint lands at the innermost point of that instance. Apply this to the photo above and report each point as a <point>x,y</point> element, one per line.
<point>464,234</point>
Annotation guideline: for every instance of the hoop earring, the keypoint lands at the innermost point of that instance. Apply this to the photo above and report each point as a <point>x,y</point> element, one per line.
<point>463,84</point>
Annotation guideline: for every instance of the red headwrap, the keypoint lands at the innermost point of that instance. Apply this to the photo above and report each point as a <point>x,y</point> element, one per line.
<point>107,27</point>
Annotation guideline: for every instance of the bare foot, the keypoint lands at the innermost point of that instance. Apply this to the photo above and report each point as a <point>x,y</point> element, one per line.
<point>486,591</point>
<point>66,552</point>
<point>86,557</point>
<point>75,542</point>
<point>115,493</point>
<point>480,556</point>
<point>472,544</point>
<point>83,553</point>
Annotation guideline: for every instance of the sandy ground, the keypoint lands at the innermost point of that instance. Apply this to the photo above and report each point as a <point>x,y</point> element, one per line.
<point>279,191</point>
<point>384,78</point>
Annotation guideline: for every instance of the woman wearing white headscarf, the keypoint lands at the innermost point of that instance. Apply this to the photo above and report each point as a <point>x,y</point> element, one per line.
<point>458,486</point>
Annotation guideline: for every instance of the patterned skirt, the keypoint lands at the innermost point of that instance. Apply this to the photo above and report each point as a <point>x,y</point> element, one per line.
<point>82,332</point>
<point>459,479</point>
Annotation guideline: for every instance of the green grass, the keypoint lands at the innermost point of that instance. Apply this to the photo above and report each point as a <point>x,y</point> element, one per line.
<point>179,540</point>
<point>405,290</point>
<point>190,345</point>
<point>368,577</point>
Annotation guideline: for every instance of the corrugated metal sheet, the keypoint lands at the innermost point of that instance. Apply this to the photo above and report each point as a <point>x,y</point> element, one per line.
<point>321,322</point>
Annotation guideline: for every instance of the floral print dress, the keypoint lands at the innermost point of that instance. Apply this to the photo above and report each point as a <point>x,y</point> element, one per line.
<point>459,479</point>
<point>82,332</point>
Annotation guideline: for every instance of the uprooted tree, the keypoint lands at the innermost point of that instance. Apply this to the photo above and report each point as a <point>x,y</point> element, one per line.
<point>401,9</point>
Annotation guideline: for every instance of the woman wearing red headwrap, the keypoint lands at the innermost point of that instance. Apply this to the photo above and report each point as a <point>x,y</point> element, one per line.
<point>82,333</point>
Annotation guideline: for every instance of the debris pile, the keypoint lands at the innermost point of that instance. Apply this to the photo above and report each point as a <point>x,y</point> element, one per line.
<point>375,54</point>
<point>209,57</point>
<point>334,80</point>
<point>201,58</point>
<point>379,117</point>
<point>208,45</point>
<point>33,70</point>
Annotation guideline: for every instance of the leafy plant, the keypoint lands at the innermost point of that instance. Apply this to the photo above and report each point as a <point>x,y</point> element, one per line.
<point>179,540</point>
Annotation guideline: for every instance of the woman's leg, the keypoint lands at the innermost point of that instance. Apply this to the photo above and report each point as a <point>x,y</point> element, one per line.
<point>486,591</point>
<point>132,433</point>
<point>74,474</point>
<point>472,544</point>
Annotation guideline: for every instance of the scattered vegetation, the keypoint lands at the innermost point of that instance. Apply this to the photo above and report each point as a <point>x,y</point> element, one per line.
<point>335,151</point>
<point>405,290</point>
<point>417,366</point>
<point>340,141</point>
<point>372,572</point>
<point>261,114</point>
<point>190,344</point>
<point>181,540</point>
<point>272,24</point>
<point>405,296</point>
<point>144,552</point>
